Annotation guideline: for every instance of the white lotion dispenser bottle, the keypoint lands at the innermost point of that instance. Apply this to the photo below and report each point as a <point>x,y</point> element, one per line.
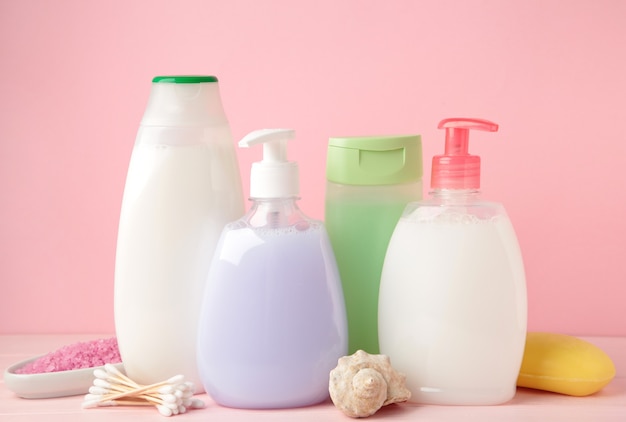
<point>273,322</point>
<point>183,186</point>
<point>452,307</point>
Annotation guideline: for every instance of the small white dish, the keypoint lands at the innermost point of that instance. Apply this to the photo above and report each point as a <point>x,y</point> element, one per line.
<point>50,384</point>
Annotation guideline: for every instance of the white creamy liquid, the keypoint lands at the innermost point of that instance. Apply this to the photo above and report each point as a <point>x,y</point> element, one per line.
<point>176,201</point>
<point>452,310</point>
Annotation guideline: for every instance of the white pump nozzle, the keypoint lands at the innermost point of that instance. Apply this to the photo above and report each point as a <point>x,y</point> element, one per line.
<point>274,143</point>
<point>274,177</point>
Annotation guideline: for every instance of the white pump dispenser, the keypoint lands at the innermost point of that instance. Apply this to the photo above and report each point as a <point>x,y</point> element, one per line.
<point>274,177</point>
<point>273,302</point>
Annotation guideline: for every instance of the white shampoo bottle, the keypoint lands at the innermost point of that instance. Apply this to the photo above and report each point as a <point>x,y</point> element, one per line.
<point>452,309</point>
<point>183,186</point>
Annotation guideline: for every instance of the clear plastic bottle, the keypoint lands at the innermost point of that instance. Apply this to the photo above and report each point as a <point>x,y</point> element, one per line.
<point>369,182</point>
<point>452,311</point>
<point>273,322</point>
<point>183,186</point>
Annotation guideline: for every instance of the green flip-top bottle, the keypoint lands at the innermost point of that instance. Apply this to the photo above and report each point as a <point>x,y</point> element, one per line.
<point>369,182</point>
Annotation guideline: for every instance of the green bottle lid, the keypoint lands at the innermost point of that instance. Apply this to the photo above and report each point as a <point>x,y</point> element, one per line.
<point>374,160</point>
<point>183,79</point>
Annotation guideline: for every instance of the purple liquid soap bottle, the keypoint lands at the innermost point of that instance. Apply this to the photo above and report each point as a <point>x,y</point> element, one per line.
<point>272,323</point>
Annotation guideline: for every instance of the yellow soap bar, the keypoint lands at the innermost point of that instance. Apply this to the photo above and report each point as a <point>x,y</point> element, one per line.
<point>564,364</point>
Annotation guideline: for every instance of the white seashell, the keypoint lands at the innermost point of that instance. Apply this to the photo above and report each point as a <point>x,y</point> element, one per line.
<point>363,383</point>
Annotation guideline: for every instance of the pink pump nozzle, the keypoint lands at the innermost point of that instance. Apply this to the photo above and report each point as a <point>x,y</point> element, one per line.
<point>456,168</point>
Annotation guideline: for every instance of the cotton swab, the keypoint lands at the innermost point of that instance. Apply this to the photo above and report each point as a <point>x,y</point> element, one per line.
<point>112,388</point>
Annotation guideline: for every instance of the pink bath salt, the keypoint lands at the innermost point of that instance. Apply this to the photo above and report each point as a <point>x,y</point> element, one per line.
<point>80,355</point>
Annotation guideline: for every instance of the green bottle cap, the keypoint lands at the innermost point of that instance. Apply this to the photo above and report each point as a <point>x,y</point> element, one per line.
<point>183,79</point>
<point>374,160</point>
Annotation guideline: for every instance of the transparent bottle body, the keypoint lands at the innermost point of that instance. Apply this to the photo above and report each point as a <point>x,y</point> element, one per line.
<point>452,310</point>
<point>273,320</point>
<point>360,220</point>
<point>182,187</point>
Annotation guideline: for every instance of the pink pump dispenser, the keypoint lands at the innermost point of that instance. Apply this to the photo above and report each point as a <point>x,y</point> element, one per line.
<point>456,168</point>
<point>452,302</point>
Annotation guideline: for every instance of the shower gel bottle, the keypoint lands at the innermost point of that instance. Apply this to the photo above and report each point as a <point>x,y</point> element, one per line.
<point>182,187</point>
<point>452,310</point>
<point>273,321</point>
<point>369,182</point>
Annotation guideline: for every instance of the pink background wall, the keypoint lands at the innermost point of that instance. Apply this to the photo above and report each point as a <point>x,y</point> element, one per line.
<point>75,77</point>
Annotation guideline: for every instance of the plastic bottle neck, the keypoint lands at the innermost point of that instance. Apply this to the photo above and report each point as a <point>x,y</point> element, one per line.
<point>184,104</point>
<point>275,213</point>
<point>455,195</point>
